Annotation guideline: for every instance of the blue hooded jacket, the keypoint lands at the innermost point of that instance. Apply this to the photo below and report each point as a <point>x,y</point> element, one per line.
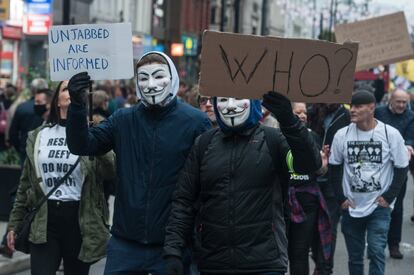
<point>151,146</point>
<point>253,119</point>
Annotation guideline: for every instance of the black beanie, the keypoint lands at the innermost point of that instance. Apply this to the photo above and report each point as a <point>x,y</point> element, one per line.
<point>362,97</point>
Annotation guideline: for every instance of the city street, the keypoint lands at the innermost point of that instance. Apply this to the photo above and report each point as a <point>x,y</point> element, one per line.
<point>394,267</point>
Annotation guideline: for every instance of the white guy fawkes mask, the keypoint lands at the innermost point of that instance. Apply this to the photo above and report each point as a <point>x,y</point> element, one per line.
<point>233,112</point>
<point>154,81</point>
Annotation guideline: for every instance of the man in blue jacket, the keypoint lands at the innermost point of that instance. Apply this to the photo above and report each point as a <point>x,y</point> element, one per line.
<point>151,142</point>
<point>399,116</point>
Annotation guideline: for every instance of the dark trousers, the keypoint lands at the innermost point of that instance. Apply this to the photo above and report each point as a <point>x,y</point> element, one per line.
<point>395,232</point>
<point>325,266</point>
<point>132,258</point>
<point>63,242</point>
<point>301,235</point>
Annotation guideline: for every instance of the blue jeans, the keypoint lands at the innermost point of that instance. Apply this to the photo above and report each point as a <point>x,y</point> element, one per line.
<point>131,258</point>
<point>375,227</point>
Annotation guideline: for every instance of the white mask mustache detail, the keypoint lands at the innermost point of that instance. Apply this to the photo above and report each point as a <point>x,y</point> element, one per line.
<point>233,112</point>
<point>154,81</point>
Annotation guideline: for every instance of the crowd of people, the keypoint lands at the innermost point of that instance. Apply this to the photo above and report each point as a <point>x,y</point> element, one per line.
<point>205,185</point>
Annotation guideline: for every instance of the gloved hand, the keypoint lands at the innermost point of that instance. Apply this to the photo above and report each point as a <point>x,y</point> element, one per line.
<point>281,107</point>
<point>174,266</point>
<point>78,86</point>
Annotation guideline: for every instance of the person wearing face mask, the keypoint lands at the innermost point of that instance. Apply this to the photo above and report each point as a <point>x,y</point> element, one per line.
<point>151,141</point>
<point>24,120</point>
<point>73,224</point>
<point>42,102</point>
<point>238,175</point>
<point>398,115</point>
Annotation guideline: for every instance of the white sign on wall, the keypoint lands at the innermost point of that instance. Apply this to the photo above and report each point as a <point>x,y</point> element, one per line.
<point>103,50</point>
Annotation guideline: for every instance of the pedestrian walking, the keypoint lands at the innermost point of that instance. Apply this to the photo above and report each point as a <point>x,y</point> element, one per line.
<point>72,225</point>
<point>151,141</point>
<point>238,174</point>
<point>399,116</point>
<point>309,220</point>
<point>375,162</point>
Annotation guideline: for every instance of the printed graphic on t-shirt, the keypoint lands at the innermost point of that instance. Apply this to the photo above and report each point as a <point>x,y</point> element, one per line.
<point>55,169</point>
<point>365,157</point>
<point>54,161</point>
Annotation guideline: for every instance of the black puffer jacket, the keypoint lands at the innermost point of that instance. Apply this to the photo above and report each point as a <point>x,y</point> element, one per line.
<point>240,225</point>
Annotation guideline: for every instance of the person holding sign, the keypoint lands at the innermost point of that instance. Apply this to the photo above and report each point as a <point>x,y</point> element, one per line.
<point>151,141</point>
<point>238,174</point>
<point>73,224</point>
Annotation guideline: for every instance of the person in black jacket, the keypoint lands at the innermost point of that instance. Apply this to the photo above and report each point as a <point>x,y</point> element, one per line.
<point>151,141</point>
<point>25,120</point>
<point>326,120</point>
<point>238,181</point>
<point>399,116</point>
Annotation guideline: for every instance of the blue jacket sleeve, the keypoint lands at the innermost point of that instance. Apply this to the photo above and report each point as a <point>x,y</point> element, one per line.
<point>85,141</point>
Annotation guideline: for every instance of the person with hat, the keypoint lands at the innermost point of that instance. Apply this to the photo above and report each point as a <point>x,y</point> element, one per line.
<point>368,165</point>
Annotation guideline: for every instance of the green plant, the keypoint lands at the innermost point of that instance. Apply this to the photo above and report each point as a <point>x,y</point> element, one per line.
<point>9,157</point>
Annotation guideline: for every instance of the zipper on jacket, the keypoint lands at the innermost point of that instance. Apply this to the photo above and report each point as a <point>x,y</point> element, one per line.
<point>231,212</point>
<point>148,186</point>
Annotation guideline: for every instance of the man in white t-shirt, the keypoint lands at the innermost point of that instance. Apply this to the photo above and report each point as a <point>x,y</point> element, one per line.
<point>368,163</point>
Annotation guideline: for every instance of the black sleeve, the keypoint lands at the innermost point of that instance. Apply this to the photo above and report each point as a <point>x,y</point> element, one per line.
<point>84,141</point>
<point>181,221</point>
<point>302,147</point>
<point>400,176</point>
<point>335,174</point>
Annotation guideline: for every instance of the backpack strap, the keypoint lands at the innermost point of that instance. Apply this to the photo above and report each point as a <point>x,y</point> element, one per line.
<point>204,141</point>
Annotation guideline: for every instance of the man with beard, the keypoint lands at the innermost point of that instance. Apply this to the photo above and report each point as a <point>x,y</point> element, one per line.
<point>232,189</point>
<point>151,141</point>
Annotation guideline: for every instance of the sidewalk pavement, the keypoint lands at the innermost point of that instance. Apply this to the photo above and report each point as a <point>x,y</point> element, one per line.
<point>20,261</point>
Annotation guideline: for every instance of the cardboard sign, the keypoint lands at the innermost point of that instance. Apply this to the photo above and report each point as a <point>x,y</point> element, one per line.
<point>247,66</point>
<point>382,40</point>
<point>103,50</point>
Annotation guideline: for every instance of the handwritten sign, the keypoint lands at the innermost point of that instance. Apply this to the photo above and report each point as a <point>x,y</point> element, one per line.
<point>382,40</point>
<point>103,50</point>
<point>247,66</point>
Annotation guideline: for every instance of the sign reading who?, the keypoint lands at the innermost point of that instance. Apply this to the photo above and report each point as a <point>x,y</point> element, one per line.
<point>103,50</point>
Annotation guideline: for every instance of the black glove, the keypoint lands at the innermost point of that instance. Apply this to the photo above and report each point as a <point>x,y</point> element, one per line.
<point>174,265</point>
<point>77,86</point>
<point>281,107</point>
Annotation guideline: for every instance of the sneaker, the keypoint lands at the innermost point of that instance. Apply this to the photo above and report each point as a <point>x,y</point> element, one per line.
<point>6,251</point>
<point>395,252</point>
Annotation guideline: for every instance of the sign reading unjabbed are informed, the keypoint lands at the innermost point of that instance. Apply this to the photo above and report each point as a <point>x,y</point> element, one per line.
<point>247,66</point>
<point>103,50</point>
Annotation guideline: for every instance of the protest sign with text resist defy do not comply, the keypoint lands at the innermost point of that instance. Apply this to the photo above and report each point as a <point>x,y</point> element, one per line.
<point>247,66</point>
<point>103,50</point>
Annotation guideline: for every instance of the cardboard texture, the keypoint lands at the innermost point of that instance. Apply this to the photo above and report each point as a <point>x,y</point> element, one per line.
<point>103,50</point>
<point>247,66</point>
<point>382,40</point>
